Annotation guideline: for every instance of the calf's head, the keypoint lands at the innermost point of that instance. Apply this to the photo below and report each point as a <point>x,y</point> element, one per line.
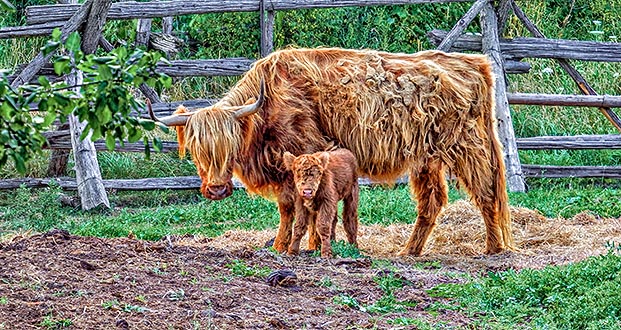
<point>308,170</point>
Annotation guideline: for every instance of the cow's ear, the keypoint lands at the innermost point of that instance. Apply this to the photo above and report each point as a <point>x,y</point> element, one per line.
<point>288,158</point>
<point>324,157</point>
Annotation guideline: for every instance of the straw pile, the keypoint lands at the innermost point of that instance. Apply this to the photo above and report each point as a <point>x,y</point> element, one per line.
<point>459,239</point>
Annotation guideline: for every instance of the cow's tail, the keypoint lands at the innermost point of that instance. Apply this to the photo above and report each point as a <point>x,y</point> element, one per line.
<point>498,167</point>
<point>181,132</point>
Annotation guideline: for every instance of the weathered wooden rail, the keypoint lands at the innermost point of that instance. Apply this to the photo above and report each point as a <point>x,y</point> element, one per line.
<point>524,47</point>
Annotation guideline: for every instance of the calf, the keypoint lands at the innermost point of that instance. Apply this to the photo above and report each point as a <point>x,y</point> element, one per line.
<point>321,180</point>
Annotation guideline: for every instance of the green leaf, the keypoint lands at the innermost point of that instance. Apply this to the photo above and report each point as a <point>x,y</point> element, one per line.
<point>44,82</point>
<point>49,119</point>
<point>134,134</point>
<point>20,164</point>
<point>104,72</point>
<point>56,33</point>
<point>157,144</point>
<point>60,66</point>
<point>73,42</point>
<point>147,149</point>
<point>110,141</point>
<point>164,128</point>
<point>50,47</point>
<point>149,125</point>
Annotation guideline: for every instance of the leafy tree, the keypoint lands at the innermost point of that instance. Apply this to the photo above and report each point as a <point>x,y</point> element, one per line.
<point>103,100</point>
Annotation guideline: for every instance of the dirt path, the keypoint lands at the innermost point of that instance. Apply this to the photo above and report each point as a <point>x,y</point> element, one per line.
<point>56,280</point>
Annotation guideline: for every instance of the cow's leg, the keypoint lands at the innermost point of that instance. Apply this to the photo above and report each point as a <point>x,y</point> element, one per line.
<point>283,237</point>
<point>350,215</point>
<point>429,186</point>
<point>482,175</point>
<point>303,219</point>
<point>313,237</point>
<point>335,221</point>
<point>325,216</point>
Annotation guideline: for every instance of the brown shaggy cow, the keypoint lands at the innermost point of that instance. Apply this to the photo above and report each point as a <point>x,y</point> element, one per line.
<point>420,114</point>
<point>321,180</point>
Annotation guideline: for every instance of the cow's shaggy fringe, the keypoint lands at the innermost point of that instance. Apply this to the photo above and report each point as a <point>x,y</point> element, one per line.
<point>421,114</point>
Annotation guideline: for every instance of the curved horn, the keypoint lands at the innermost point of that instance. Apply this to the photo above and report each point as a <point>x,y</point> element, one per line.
<point>252,108</point>
<point>172,120</point>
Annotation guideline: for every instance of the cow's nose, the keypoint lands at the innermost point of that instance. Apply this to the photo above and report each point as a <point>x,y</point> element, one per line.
<point>218,190</point>
<point>307,193</point>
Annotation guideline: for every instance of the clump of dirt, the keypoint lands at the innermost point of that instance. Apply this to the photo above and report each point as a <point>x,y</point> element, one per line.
<point>55,279</point>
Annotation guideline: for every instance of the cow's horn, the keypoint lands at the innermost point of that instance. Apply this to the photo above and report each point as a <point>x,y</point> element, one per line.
<point>252,108</point>
<point>172,120</point>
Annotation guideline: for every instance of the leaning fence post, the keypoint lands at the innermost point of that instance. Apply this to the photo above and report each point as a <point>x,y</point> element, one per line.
<point>267,28</point>
<point>491,47</point>
<point>88,176</point>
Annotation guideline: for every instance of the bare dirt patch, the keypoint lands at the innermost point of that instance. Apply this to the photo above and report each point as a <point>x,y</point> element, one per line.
<point>56,279</point>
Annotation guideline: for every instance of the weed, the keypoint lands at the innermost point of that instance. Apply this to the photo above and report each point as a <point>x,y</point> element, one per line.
<point>4,300</point>
<point>49,322</point>
<point>141,299</point>
<point>349,301</point>
<point>239,268</point>
<point>128,308</point>
<point>110,304</point>
<point>326,282</point>
<point>345,250</point>
<point>576,296</point>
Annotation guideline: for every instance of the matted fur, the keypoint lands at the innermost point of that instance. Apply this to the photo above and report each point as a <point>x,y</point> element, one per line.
<point>421,114</point>
<point>321,180</point>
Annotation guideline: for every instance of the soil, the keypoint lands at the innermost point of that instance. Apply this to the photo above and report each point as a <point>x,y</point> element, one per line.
<point>57,280</point>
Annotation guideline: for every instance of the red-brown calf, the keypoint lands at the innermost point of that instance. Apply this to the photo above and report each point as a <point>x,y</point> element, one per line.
<point>321,180</point>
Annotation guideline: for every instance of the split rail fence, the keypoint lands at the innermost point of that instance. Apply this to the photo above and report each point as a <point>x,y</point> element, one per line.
<point>506,54</point>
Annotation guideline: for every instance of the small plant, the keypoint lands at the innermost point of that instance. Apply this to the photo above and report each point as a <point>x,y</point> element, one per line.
<point>160,271</point>
<point>389,282</point>
<point>78,293</point>
<point>141,299</point>
<point>433,264</point>
<point>239,268</point>
<point>111,304</point>
<point>349,301</point>
<point>4,300</point>
<point>49,322</point>
<point>127,308</point>
<point>345,250</point>
<point>326,282</point>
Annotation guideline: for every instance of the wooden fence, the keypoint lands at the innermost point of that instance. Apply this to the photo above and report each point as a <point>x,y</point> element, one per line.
<point>506,56</point>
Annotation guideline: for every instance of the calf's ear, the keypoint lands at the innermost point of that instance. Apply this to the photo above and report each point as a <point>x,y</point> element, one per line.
<point>324,157</point>
<point>287,159</point>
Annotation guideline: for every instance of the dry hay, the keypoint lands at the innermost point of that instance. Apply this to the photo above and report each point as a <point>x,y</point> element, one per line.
<point>459,239</point>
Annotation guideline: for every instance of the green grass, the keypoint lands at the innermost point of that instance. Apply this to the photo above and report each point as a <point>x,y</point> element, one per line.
<point>584,295</point>
<point>154,214</point>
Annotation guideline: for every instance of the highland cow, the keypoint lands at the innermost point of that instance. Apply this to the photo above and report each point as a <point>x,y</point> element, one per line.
<point>321,180</point>
<point>419,114</point>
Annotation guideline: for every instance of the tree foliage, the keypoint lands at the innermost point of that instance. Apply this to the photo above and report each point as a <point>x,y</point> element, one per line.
<point>104,99</point>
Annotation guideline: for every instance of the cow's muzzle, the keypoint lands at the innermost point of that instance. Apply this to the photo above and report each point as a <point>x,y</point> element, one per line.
<point>307,193</point>
<point>217,192</point>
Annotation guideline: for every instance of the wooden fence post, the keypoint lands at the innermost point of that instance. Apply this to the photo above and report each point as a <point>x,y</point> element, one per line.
<point>88,176</point>
<point>491,47</point>
<point>267,29</point>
